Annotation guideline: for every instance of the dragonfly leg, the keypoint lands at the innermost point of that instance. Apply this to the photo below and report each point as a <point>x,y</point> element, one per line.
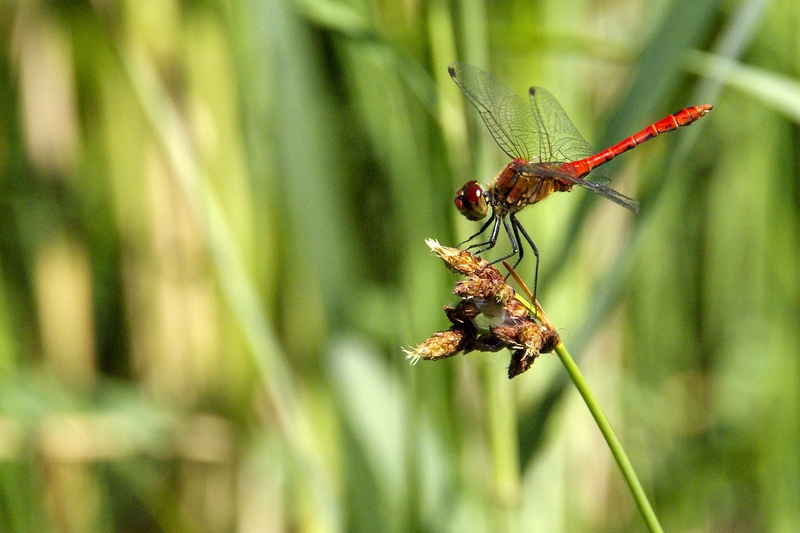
<point>483,228</point>
<point>517,230</point>
<point>488,245</point>
<point>515,247</point>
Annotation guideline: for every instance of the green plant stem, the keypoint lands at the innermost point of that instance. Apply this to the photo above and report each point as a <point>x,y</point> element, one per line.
<point>613,443</point>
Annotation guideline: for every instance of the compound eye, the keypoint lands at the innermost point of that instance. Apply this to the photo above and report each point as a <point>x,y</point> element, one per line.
<point>474,193</point>
<point>471,201</point>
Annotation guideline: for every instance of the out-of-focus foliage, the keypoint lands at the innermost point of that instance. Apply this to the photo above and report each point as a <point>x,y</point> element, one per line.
<point>212,224</point>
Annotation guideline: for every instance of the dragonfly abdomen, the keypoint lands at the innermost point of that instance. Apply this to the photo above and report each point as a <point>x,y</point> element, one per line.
<point>684,117</point>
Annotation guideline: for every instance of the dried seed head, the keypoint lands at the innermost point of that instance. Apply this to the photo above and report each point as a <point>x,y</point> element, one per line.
<point>485,289</point>
<point>460,261</point>
<point>520,362</point>
<point>550,340</point>
<point>440,345</point>
<point>464,313</point>
<point>488,318</point>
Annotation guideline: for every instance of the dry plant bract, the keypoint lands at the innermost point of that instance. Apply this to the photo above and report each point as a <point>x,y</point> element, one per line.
<point>488,318</point>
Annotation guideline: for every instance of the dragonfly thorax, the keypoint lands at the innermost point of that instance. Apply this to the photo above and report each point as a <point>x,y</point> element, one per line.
<point>521,184</point>
<point>471,201</point>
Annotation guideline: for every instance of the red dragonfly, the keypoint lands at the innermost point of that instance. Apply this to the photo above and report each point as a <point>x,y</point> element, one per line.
<point>548,155</point>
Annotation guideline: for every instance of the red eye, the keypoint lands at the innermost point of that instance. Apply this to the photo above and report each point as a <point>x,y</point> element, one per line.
<point>471,202</point>
<point>473,193</point>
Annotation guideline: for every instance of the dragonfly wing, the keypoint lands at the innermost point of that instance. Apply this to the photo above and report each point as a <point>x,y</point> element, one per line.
<point>557,171</point>
<point>607,192</point>
<point>563,141</point>
<point>510,120</point>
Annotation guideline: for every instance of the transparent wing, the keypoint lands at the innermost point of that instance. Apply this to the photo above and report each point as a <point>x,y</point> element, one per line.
<point>606,192</point>
<point>562,142</point>
<point>567,174</point>
<point>510,119</point>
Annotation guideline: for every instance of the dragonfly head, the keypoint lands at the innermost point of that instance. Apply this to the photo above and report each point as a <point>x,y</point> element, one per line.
<point>471,201</point>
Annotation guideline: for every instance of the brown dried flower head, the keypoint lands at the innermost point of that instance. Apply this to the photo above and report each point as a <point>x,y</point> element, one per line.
<point>488,318</point>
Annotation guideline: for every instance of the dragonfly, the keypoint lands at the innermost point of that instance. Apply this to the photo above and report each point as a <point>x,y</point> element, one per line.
<point>547,153</point>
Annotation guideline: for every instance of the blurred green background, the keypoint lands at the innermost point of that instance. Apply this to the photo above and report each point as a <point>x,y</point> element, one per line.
<point>212,226</point>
